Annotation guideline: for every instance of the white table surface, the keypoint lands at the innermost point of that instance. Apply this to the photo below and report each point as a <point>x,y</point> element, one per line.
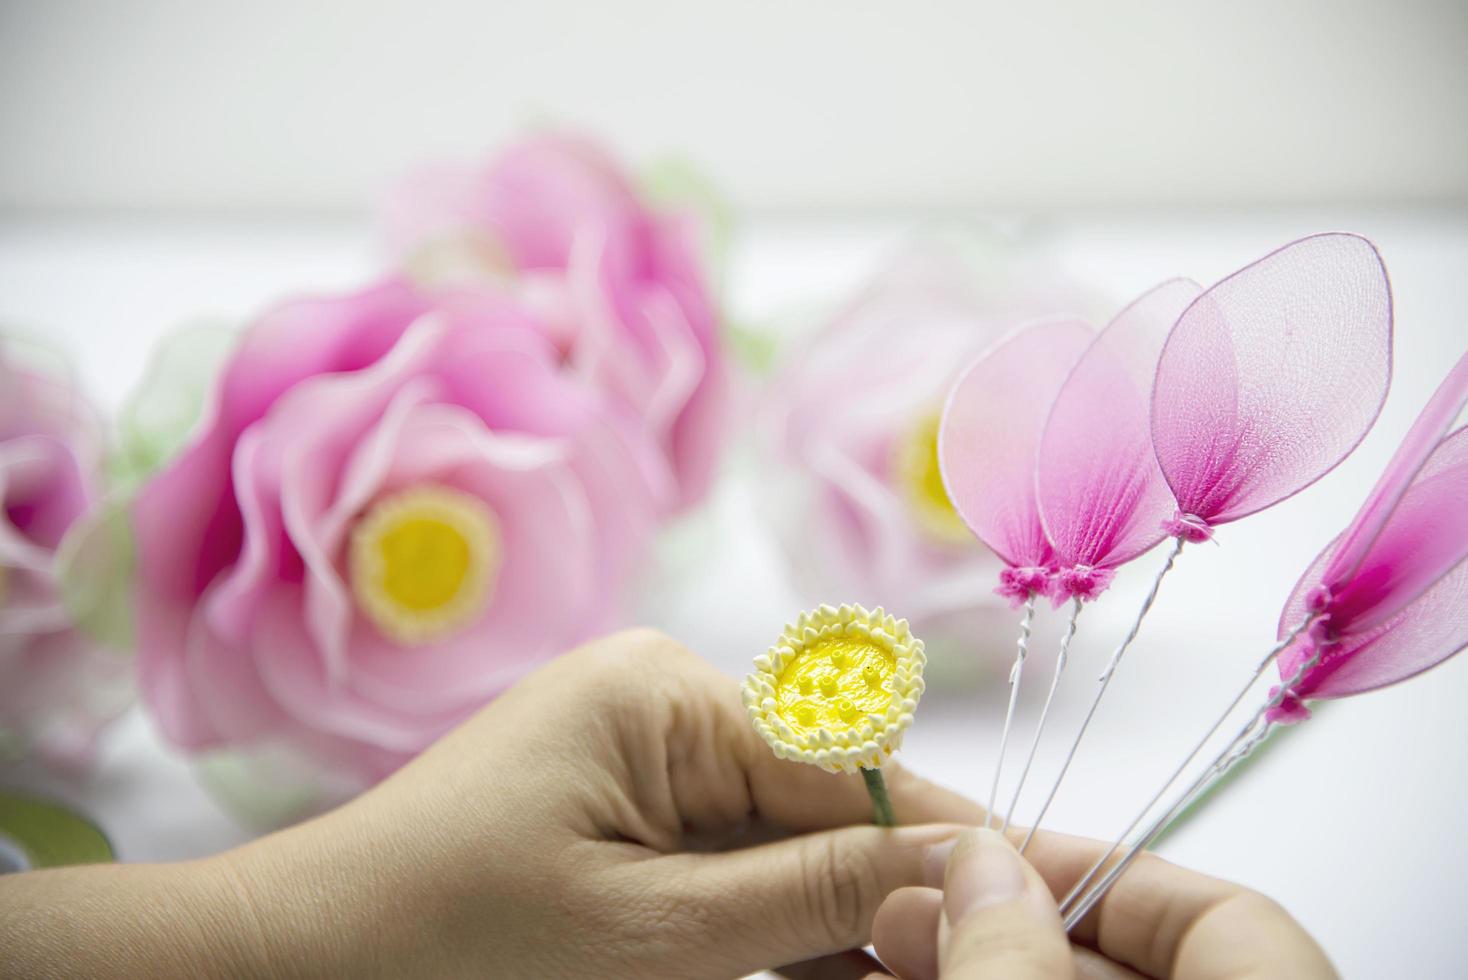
<point>1355,824</point>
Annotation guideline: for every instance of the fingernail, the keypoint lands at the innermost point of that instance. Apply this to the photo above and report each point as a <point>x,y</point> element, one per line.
<point>935,862</point>
<point>984,870</point>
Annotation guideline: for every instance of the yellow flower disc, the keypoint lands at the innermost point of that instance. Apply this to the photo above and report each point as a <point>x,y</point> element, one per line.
<point>838,688</point>
<point>424,562</point>
<point>919,479</point>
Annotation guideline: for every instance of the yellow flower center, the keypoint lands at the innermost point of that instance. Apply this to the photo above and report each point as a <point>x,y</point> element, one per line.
<point>920,480</point>
<point>835,684</point>
<point>424,562</point>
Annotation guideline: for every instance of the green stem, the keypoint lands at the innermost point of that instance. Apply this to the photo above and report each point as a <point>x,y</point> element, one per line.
<point>881,802</point>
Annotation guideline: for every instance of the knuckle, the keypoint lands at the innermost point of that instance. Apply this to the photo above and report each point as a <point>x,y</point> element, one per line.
<point>621,655</point>
<point>843,892</point>
<point>626,676</point>
<point>643,645</point>
<point>1256,907</point>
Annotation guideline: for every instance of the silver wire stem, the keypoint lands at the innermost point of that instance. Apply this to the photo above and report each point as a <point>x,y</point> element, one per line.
<point>1177,773</point>
<point>1016,674</point>
<point>1242,745</point>
<point>1060,661</point>
<point>1105,681</point>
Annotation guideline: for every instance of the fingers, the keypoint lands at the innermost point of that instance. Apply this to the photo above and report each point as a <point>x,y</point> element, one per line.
<point>795,899</point>
<point>672,714</point>
<point>905,932</point>
<point>998,917</point>
<point>1165,921</point>
<point>1249,936</point>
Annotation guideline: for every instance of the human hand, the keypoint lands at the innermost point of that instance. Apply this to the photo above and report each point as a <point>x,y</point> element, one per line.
<point>614,814</point>
<point>995,917</point>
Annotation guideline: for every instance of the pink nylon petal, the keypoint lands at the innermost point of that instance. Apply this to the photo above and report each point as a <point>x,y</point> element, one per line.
<point>187,527</point>
<point>317,425</point>
<point>990,436</point>
<point>1420,442</point>
<point>1406,607</point>
<point>1426,535</point>
<point>1101,494</point>
<point>1273,376</point>
<point>700,431</point>
<point>1422,635</point>
<point>297,682</point>
<point>1423,538</point>
<point>229,700</point>
<point>46,488</point>
<point>265,553</point>
<point>540,194</point>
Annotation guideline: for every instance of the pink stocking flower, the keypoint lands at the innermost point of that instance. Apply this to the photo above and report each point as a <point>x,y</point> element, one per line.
<point>397,504</point>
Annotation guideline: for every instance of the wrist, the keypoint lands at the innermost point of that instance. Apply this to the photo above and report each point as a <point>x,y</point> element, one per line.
<point>313,903</point>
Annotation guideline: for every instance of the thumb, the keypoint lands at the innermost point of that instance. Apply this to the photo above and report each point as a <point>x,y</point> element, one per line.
<point>998,917</point>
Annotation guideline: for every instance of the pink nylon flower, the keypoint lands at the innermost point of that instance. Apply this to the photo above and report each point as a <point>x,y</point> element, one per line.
<point>855,418</point>
<point>396,505</point>
<point>989,442</point>
<point>58,686</point>
<point>1101,495</point>
<point>1192,410</point>
<point>620,286</point>
<point>1270,379</point>
<point>1390,594</point>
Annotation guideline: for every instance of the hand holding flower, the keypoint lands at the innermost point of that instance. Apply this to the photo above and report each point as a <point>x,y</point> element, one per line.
<point>613,815</point>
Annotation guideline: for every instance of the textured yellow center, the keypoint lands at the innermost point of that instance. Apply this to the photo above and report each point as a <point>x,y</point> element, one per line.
<point>835,684</point>
<point>424,562</point>
<point>920,481</point>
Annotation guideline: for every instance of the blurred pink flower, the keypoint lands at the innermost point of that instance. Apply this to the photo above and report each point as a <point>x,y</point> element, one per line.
<point>58,686</point>
<point>621,285</point>
<point>395,506</point>
<point>855,418</point>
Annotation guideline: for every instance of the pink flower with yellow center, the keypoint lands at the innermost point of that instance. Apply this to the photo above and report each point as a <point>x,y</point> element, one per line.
<point>397,504</point>
<point>862,510</point>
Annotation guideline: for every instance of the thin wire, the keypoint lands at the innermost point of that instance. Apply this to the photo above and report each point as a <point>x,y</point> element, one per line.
<point>1238,749</point>
<point>1215,771</point>
<point>1105,680</point>
<point>1177,773</point>
<point>1060,660</point>
<point>1016,674</point>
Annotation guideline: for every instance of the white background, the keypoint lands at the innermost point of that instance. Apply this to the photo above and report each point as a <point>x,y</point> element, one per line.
<point>163,162</point>
<point>791,104</point>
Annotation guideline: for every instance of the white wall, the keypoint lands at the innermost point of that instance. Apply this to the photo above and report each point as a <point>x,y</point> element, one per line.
<point>791,104</point>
